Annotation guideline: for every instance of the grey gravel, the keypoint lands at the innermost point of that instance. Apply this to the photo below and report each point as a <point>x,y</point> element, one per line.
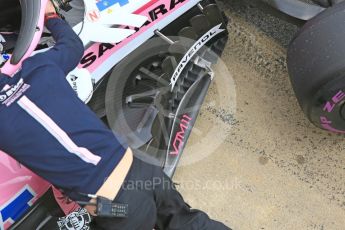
<point>273,169</point>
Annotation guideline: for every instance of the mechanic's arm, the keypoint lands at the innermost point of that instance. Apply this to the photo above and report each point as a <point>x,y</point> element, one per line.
<point>68,49</point>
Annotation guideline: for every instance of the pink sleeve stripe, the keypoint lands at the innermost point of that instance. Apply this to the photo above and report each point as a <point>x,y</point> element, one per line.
<point>61,136</point>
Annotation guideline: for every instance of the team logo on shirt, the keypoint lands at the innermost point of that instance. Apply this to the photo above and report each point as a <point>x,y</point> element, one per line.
<point>78,220</point>
<point>3,97</point>
<point>12,93</point>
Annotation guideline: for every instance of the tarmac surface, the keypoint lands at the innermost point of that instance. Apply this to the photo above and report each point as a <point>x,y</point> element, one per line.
<point>254,161</point>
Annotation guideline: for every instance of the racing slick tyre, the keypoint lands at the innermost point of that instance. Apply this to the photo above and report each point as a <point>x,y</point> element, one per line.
<point>140,102</point>
<point>327,3</point>
<point>317,69</point>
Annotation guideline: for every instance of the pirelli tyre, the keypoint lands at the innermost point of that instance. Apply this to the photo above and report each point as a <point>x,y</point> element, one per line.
<point>316,64</point>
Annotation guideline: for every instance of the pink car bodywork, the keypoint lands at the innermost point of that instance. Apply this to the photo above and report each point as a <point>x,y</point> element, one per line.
<point>15,179</point>
<point>20,188</point>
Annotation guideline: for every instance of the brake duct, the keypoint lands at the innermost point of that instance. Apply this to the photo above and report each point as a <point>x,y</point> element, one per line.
<point>197,80</point>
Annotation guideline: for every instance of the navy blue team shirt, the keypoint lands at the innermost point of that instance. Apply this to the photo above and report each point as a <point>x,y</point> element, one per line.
<point>45,126</point>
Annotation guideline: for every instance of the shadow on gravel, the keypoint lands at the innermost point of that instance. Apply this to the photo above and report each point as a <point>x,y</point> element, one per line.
<point>270,21</point>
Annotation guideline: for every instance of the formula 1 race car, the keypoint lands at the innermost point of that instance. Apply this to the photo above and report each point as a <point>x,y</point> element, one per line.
<point>146,70</point>
<point>316,60</point>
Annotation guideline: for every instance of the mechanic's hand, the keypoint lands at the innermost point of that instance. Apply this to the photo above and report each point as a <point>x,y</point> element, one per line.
<point>50,9</point>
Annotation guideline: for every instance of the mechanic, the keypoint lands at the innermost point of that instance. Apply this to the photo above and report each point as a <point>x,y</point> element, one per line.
<point>45,126</point>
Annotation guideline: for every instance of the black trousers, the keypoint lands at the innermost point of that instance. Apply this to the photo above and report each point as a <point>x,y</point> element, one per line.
<point>154,203</point>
